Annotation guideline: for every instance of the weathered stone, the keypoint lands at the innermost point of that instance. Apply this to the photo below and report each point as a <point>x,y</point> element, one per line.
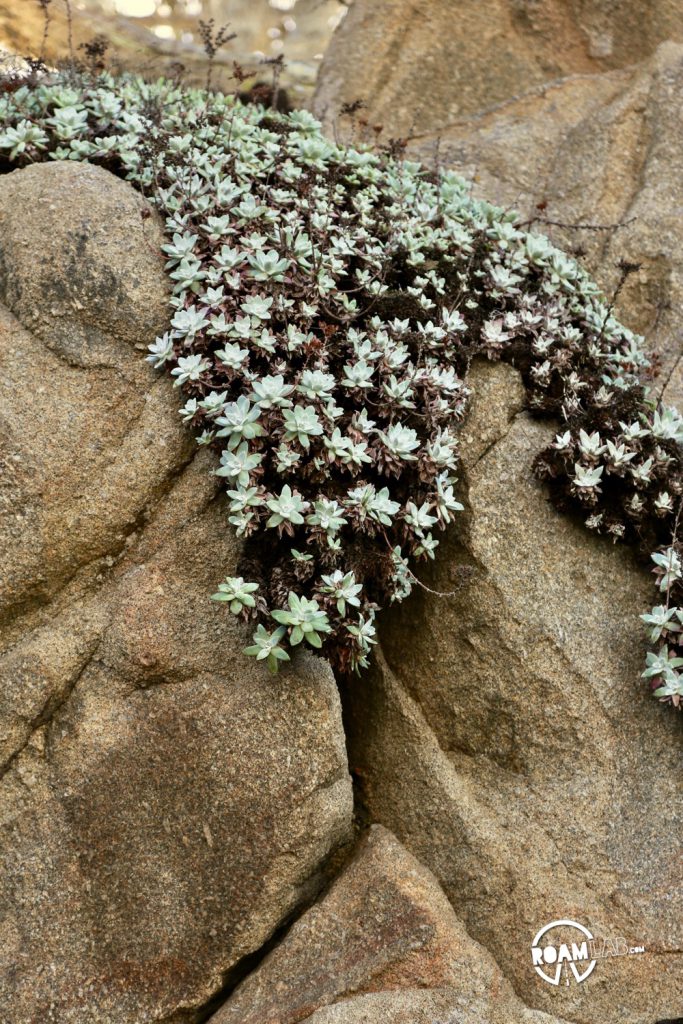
<point>384,924</point>
<point>601,150</point>
<point>80,261</point>
<point>160,826</point>
<point>165,804</point>
<point>506,736</point>
<point>419,65</point>
<point>589,149</point>
<point>87,453</point>
<point>90,437</point>
<point>423,1006</point>
<point>507,740</point>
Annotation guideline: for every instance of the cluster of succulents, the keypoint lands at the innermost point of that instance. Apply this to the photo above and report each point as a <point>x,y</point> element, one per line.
<point>327,302</point>
<point>665,626</point>
<point>618,462</point>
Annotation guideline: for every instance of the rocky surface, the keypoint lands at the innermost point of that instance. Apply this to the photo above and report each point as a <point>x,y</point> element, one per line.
<point>99,441</point>
<point>80,262</point>
<point>598,148</point>
<point>384,925</point>
<point>423,1006</point>
<point>418,65</point>
<point>164,805</point>
<point>504,734</point>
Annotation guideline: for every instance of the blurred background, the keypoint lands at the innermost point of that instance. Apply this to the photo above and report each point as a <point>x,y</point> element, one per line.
<point>153,34</point>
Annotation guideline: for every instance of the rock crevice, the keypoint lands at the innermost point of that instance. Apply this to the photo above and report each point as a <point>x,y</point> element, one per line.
<point>186,820</point>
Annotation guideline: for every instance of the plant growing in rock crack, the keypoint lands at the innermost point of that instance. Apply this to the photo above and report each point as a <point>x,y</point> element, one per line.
<point>326,304</point>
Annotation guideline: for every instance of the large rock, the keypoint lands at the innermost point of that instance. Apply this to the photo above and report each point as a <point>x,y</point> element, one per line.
<point>90,437</point>
<point>80,263</point>
<point>384,925</point>
<point>87,454</point>
<point>419,65</point>
<point>504,734</point>
<point>598,150</point>
<point>425,1006</point>
<point>165,805</point>
<point>587,149</point>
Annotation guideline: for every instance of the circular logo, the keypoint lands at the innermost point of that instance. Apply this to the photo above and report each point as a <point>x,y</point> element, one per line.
<point>571,952</point>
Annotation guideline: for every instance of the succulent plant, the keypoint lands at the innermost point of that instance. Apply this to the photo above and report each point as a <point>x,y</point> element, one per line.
<point>326,304</point>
